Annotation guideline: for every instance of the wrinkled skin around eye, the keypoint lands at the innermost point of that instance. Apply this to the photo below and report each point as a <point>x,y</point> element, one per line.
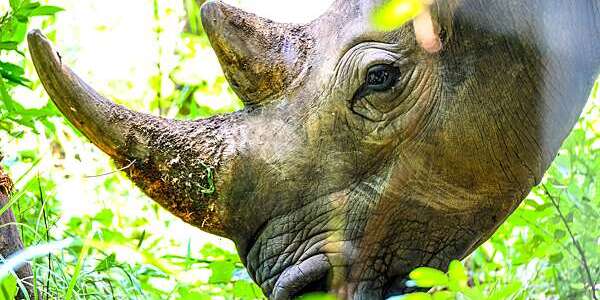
<point>395,110</point>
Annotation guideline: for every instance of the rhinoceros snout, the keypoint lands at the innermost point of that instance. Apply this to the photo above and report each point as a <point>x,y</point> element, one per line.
<point>307,277</point>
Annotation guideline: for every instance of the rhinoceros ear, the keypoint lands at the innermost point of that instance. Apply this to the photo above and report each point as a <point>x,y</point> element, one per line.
<point>442,13</point>
<point>260,58</point>
<point>433,27</point>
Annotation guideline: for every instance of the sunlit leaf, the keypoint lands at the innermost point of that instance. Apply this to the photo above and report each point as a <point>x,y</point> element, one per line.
<point>105,217</point>
<point>474,294</point>
<point>556,258</point>
<point>15,4</point>
<point>559,234</point>
<point>457,276</point>
<point>222,272</point>
<point>193,295</point>
<point>569,217</point>
<point>395,13</point>
<point>245,290</point>
<point>45,10</point>
<point>317,296</point>
<point>8,286</point>
<point>428,277</point>
<point>106,264</point>
<point>418,296</point>
<point>506,291</point>
<point>9,45</point>
<point>7,100</point>
<point>13,31</point>
<point>444,295</point>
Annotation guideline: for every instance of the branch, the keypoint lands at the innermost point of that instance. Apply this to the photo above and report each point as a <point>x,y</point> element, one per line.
<point>584,262</point>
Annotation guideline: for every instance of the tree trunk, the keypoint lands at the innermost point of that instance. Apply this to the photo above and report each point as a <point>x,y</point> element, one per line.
<point>10,240</point>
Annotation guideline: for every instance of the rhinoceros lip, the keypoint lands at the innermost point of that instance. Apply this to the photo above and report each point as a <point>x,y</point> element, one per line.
<point>303,277</point>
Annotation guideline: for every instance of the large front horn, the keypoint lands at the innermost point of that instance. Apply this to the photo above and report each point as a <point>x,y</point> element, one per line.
<point>260,58</point>
<point>180,164</point>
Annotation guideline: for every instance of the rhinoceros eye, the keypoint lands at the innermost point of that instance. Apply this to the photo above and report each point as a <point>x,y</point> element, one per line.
<point>381,78</point>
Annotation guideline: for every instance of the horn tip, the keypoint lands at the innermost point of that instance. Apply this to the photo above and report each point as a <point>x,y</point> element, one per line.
<point>211,13</point>
<point>36,36</point>
<point>40,46</point>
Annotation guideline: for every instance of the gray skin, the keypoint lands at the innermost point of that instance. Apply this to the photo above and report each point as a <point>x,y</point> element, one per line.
<point>327,183</point>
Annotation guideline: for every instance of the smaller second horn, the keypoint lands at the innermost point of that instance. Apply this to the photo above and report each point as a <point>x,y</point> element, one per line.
<point>260,58</point>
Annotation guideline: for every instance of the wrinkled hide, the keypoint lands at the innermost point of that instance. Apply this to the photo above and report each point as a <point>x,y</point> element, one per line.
<point>330,180</point>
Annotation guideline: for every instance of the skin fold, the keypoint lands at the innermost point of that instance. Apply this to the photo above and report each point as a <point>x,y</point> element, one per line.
<point>360,155</point>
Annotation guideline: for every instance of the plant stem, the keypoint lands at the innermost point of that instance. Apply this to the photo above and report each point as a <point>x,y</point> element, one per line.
<point>43,201</point>
<point>157,33</point>
<point>584,262</point>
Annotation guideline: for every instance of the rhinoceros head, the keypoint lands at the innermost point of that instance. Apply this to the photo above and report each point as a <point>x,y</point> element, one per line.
<point>359,155</point>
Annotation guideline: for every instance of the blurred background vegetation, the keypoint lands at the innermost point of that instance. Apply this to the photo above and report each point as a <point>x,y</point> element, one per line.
<point>150,56</point>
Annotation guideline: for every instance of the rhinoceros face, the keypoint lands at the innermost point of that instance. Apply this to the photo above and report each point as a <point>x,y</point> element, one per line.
<point>359,155</point>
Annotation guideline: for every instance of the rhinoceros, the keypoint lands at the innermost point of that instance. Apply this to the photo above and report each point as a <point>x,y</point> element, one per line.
<point>359,154</point>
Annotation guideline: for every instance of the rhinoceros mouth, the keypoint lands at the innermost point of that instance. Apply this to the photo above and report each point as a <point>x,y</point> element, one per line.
<point>291,255</point>
<point>308,276</point>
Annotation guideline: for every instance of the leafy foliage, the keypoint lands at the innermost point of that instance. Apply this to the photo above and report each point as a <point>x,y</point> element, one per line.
<point>455,285</point>
<point>13,29</point>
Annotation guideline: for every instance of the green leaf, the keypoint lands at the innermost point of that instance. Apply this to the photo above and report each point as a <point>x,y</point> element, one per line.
<point>222,272</point>
<point>317,296</point>
<point>245,290</point>
<point>15,4</point>
<point>8,286</point>
<point>107,263</point>
<point>111,236</point>
<point>104,217</point>
<point>418,296</point>
<point>28,155</point>
<point>569,217</point>
<point>507,291</point>
<point>45,10</point>
<point>13,31</point>
<point>428,277</point>
<point>395,13</point>
<point>474,294</point>
<point>556,258</point>
<point>14,74</point>
<point>559,234</point>
<point>458,276</point>
<point>444,295</point>
<point>7,100</point>
<point>185,293</point>
<point>74,223</point>
<point>8,45</point>
<point>11,68</point>
<point>79,266</point>
<point>23,13</point>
